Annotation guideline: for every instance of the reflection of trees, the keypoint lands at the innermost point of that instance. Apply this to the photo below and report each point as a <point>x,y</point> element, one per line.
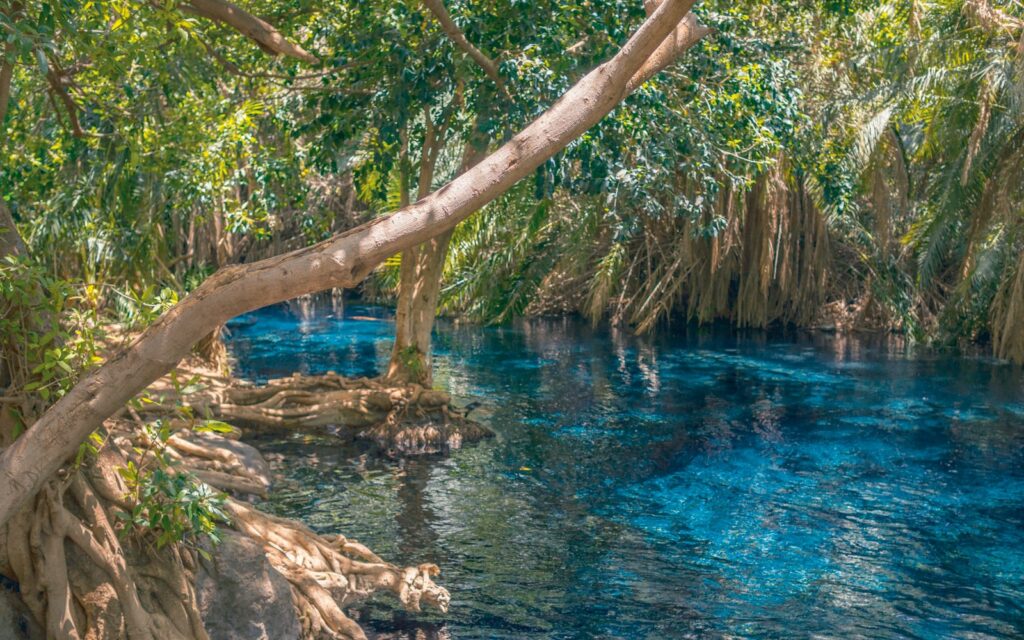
<point>414,517</point>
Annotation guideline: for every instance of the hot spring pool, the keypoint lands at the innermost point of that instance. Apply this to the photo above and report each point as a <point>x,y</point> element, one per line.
<point>699,486</point>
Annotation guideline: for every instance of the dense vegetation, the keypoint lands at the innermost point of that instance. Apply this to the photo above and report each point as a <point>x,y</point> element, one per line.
<point>812,163</point>
<point>844,165</point>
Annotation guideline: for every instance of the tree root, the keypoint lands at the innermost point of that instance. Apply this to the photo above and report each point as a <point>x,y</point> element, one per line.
<point>80,580</point>
<point>327,573</point>
<point>402,420</point>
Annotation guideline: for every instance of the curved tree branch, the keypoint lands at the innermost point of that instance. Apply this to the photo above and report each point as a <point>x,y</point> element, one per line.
<point>341,261</point>
<point>260,31</point>
<point>682,38</point>
<point>459,38</point>
<point>58,81</point>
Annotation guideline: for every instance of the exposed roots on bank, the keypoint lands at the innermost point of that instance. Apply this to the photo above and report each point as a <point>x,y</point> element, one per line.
<point>402,420</point>
<point>327,573</point>
<point>81,577</point>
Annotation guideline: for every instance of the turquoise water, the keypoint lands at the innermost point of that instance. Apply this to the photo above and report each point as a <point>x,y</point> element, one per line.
<point>704,485</point>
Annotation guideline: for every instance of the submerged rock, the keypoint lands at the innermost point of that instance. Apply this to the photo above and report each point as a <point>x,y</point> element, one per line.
<point>241,597</point>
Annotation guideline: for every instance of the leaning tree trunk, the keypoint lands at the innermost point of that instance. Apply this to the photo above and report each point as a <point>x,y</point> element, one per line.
<point>342,261</point>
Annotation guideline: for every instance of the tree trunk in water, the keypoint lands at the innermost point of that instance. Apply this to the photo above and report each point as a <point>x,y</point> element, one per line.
<point>418,292</point>
<point>422,270</point>
<point>341,261</point>
<point>419,279</point>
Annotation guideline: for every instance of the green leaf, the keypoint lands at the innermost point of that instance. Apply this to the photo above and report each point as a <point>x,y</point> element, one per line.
<point>41,60</point>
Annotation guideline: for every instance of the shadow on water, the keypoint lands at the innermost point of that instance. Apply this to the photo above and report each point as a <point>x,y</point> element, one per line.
<point>706,484</point>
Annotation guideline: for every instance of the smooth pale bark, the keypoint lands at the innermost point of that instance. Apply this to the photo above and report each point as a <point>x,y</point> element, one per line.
<point>419,292</point>
<point>682,38</point>
<point>259,31</point>
<point>341,261</point>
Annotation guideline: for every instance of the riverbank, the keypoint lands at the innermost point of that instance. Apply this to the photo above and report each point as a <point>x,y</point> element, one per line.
<point>169,557</point>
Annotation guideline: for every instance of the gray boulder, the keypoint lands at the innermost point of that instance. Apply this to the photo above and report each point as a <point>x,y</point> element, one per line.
<point>241,597</point>
<point>15,621</point>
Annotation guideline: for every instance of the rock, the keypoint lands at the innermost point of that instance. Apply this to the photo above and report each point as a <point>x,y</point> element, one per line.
<point>241,597</point>
<point>15,621</point>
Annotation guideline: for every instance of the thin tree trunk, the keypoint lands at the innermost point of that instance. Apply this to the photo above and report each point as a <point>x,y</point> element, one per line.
<point>6,71</point>
<point>420,289</point>
<point>419,280</point>
<point>341,261</point>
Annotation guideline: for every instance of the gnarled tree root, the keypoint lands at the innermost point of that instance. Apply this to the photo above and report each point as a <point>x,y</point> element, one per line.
<point>327,573</point>
<point>402,420</point>
<point>80,580</point>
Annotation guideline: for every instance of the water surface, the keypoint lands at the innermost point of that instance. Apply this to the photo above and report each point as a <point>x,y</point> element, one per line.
<point>699,485</point>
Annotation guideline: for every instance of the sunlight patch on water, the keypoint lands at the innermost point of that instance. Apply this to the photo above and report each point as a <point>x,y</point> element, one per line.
<point>702,486</point>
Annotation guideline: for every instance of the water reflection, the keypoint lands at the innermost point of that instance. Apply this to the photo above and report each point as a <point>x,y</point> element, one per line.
<point>705,485</point>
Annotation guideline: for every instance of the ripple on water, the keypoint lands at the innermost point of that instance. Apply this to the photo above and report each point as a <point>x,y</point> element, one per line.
<point>701,486</point>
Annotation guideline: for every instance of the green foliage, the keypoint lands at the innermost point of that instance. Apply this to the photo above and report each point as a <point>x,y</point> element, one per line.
<point>136,310</point>
<point>901,122</point>
<point>167,503</point>
<point>170,505</point>
<point>47,338</point>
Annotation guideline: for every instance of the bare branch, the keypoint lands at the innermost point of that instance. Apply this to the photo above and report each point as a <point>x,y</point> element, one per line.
<point>260,31</point>
<point>459,38</point>
<point>58,81</point>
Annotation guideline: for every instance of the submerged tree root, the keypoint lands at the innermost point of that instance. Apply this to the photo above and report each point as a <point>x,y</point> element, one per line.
<point>402,420</point>
<point>80,580</point>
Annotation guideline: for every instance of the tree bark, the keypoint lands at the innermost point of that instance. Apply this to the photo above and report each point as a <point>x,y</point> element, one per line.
<point>419,283</point>
<point>7,64</point>
<point>6,71</point>
<point>341,261</point>
<point>419,287</point>
<point>422,267</point>
<point>453,31</point>
<point>259,31</point>
<point>418,294</point>
<point>420,290</point>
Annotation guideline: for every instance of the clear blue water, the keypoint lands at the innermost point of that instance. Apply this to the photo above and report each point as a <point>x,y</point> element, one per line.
<point>704,485</point>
